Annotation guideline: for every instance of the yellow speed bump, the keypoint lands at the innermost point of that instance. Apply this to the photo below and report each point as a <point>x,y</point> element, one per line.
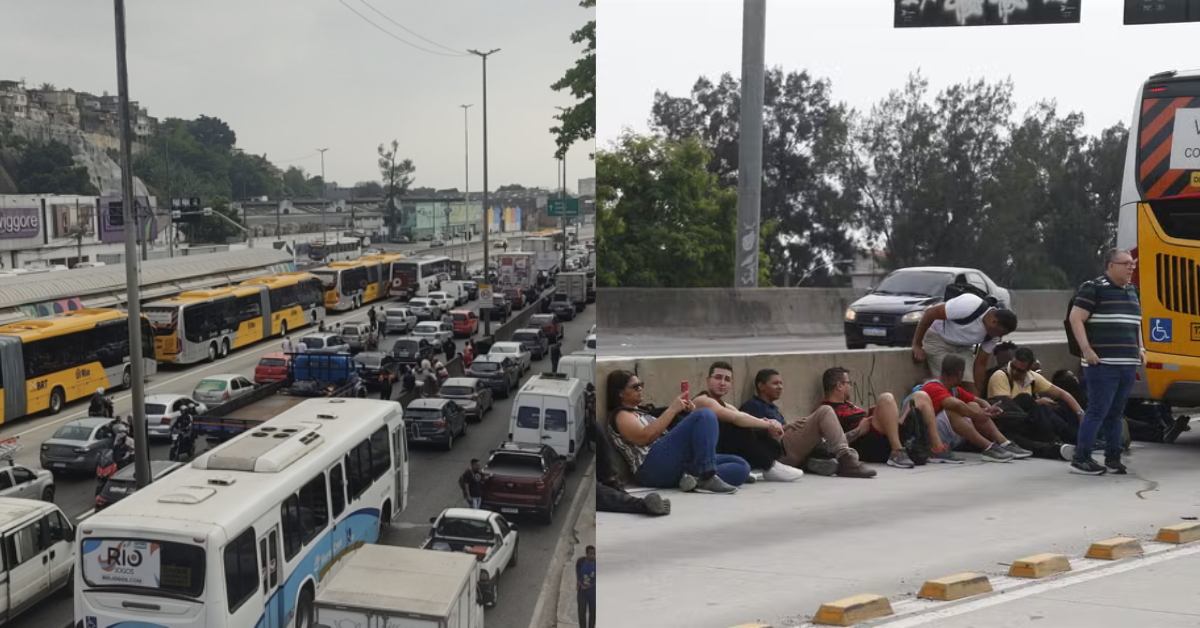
<point>851,610</point>
<point>955,587</point>
<point>1039,566</point>
<point>1115,549</point>
<point>1179,533</point>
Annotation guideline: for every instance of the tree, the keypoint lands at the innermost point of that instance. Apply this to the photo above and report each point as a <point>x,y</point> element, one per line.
<point>663,219</point>
<point>512,187</point>
<point>368,189</point>
<point>50,169</point>
<point>47,87</point>
<point>578,122</point>
<point>806,155</point>
<point>213,132</point>
<point>397,176</point>
<point>211,229</point>
<point>297,183</point>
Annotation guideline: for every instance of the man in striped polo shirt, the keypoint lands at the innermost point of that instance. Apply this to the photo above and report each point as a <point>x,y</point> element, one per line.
<point>1106,319</point>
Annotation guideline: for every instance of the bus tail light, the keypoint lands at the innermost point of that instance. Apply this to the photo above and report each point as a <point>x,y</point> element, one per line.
<point>1159,366</point>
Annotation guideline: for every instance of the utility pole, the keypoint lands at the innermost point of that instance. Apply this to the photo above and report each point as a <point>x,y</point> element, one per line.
<point>132,279</point>
<point>487,314</point>
<point>563,221</point>
<point>171,244</point>
<point>754,26</point>
<point>324,205</point>
<point>467,176</point>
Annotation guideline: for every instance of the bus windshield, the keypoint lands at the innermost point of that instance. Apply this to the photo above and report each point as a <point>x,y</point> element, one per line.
<point>148,566</point>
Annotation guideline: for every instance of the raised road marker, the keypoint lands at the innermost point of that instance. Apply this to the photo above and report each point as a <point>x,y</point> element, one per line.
<point>955,587</point>
<point>1115,549</point>
<point>1039,566</point>
<point>1179,533</point>
<point>851,610</point>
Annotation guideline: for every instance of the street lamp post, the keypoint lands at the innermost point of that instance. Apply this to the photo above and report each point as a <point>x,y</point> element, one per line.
<point>564,221</point>
<point>132,279</point>
<point>487,316</point>
<point>467,195</point>
<point>324,224</point>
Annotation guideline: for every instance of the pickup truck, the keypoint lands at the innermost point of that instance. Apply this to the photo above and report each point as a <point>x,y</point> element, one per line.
<point>487,535</point>
<point>309,375</point>
<point>522,478</point>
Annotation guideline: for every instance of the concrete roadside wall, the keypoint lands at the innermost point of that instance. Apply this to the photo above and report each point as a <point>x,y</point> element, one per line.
<point>725,313</point>
<point>873,373</point>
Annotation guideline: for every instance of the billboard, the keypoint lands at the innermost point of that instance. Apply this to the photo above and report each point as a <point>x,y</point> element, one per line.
<point>68,217</point>
<point>112,219</point>
<point>20,222</point>
<point>924,13</point>
<point>505,219</point>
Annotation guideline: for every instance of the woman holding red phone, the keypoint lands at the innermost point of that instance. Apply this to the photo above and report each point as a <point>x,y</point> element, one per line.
<point>664,457</point>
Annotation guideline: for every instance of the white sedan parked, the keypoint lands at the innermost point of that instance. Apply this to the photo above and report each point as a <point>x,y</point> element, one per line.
<point>163,410</point>
<point>515,351</point>
<point>436,333</point>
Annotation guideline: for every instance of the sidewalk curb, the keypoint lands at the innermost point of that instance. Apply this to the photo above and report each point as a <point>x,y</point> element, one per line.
<point>545,613</point>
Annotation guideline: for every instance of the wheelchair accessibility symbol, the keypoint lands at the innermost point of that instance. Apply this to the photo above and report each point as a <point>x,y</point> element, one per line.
<point>1160,330</point>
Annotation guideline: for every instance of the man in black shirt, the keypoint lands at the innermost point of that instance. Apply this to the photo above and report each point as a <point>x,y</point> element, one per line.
<point>585,578</point>
<point>471,484</point>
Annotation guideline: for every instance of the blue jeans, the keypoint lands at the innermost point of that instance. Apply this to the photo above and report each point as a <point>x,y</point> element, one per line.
<point>1107,390</point>
<point>690,447</point>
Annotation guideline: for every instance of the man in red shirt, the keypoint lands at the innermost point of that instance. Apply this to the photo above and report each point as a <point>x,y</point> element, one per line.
<point>962,417</point>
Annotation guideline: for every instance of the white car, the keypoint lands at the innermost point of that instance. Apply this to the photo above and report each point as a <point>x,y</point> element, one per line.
<point>515,351</point>
<point>163,410</point>
<point>217,389</point>
<point>436,333</point>
<point>398,320</point>
<point>425,309</point>
<point>443,300</point>
<point>465,529</point>
<point>21,481</point>
<point>589,344</point>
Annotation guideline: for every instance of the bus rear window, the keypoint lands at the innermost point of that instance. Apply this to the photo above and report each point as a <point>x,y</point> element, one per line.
<point>1180,218</point>
<point>134,564</point>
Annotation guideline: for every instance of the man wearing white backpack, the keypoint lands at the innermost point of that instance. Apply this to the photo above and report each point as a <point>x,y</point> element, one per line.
<point>956,327</point>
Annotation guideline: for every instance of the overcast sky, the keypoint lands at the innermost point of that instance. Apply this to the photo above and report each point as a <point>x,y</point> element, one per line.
<point>1094,67</point>
<point>291,76</point>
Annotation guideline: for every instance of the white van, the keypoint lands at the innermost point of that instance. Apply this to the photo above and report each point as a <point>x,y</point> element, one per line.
<point>41,540</point>
<point>579,365</point>
<point>552,409</point>
<point>456,290</point>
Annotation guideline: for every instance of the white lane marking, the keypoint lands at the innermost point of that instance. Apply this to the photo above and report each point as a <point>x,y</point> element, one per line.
<point>1007,592</point>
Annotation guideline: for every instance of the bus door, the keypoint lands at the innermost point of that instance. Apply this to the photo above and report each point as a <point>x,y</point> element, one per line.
<point>12,378</point>
<point>272,589</point>
<point>400,464</point>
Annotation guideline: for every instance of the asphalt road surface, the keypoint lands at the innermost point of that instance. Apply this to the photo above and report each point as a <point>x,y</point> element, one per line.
<point>433,485</point>
<point>626,346</point>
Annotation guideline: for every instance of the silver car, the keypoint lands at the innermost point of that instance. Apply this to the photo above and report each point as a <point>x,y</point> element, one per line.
<point>398,320</point>
<point>436,333</point>
<point>425,310</point>
<point>21,481</point>
<point>77,445</point>
<point>163,410</point>
<point>474,395</point>
<point>535,340</point>
<point>325,342</point>
<point>355,335</point>
<point>515,351</point>
<point>217,389</point>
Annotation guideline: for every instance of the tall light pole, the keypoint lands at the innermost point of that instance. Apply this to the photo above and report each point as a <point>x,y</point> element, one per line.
<point>754,26</point>
<point>132,279</point>
<point>563,195</point>
<point>487,317</point>
<point>467,195</point>
<point>324,224</point>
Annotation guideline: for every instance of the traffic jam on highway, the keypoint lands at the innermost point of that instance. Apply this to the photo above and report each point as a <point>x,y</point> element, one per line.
<point>293,418</point>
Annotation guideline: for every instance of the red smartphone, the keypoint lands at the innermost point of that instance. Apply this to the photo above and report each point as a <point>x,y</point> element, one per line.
<point>684,388</point>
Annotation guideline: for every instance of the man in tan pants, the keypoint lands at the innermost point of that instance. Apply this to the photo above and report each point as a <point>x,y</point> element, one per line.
<point>802,435</point>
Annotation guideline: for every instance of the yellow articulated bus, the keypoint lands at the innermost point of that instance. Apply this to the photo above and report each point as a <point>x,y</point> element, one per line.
<point>207,324</point>
<point>1160,223</point>
<point>387,268</point>
<point>47,362</point>
<point>349,285</point>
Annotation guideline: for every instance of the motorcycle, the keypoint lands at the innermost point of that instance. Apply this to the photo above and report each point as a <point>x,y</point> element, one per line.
<point>183,439</point>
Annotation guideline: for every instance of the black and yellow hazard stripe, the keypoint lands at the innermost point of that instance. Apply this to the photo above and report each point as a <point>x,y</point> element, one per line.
<point>1155,176</point>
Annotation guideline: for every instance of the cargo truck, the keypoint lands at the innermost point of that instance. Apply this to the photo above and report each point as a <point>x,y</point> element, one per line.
<point>388,586</point>
<point>574,285</point>
<point>309,375</point>
<point>515,269</point>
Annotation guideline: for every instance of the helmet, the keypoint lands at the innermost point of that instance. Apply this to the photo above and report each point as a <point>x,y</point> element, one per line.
<point>100,390</point>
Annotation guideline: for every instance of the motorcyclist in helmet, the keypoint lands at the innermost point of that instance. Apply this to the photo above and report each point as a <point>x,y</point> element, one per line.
<point>100,405</point>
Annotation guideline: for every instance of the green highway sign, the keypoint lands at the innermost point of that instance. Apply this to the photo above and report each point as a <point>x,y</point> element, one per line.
<point>562,207</point>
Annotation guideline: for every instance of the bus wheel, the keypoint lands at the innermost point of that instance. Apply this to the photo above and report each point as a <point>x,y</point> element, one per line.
<point>304,609</point>
<point>126,379</point>
<point>212,352</point>
<point>224,348</point>
<point>57,399</point>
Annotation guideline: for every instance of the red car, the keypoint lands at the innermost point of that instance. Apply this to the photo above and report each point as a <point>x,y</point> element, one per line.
<point>271,368</point>
<point>466,323</point>
<point>549,324</point>
<point>516,297</point>
<point>523,478</point>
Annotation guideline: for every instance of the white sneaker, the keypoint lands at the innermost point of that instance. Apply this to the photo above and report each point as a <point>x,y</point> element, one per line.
<point>780,472</point>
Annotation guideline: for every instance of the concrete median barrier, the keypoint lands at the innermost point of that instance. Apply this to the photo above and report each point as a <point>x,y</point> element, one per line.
<point>725,313</point>
<point>873,372</point>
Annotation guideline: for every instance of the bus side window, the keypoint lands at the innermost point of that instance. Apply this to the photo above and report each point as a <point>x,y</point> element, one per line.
<point>337,490</point>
